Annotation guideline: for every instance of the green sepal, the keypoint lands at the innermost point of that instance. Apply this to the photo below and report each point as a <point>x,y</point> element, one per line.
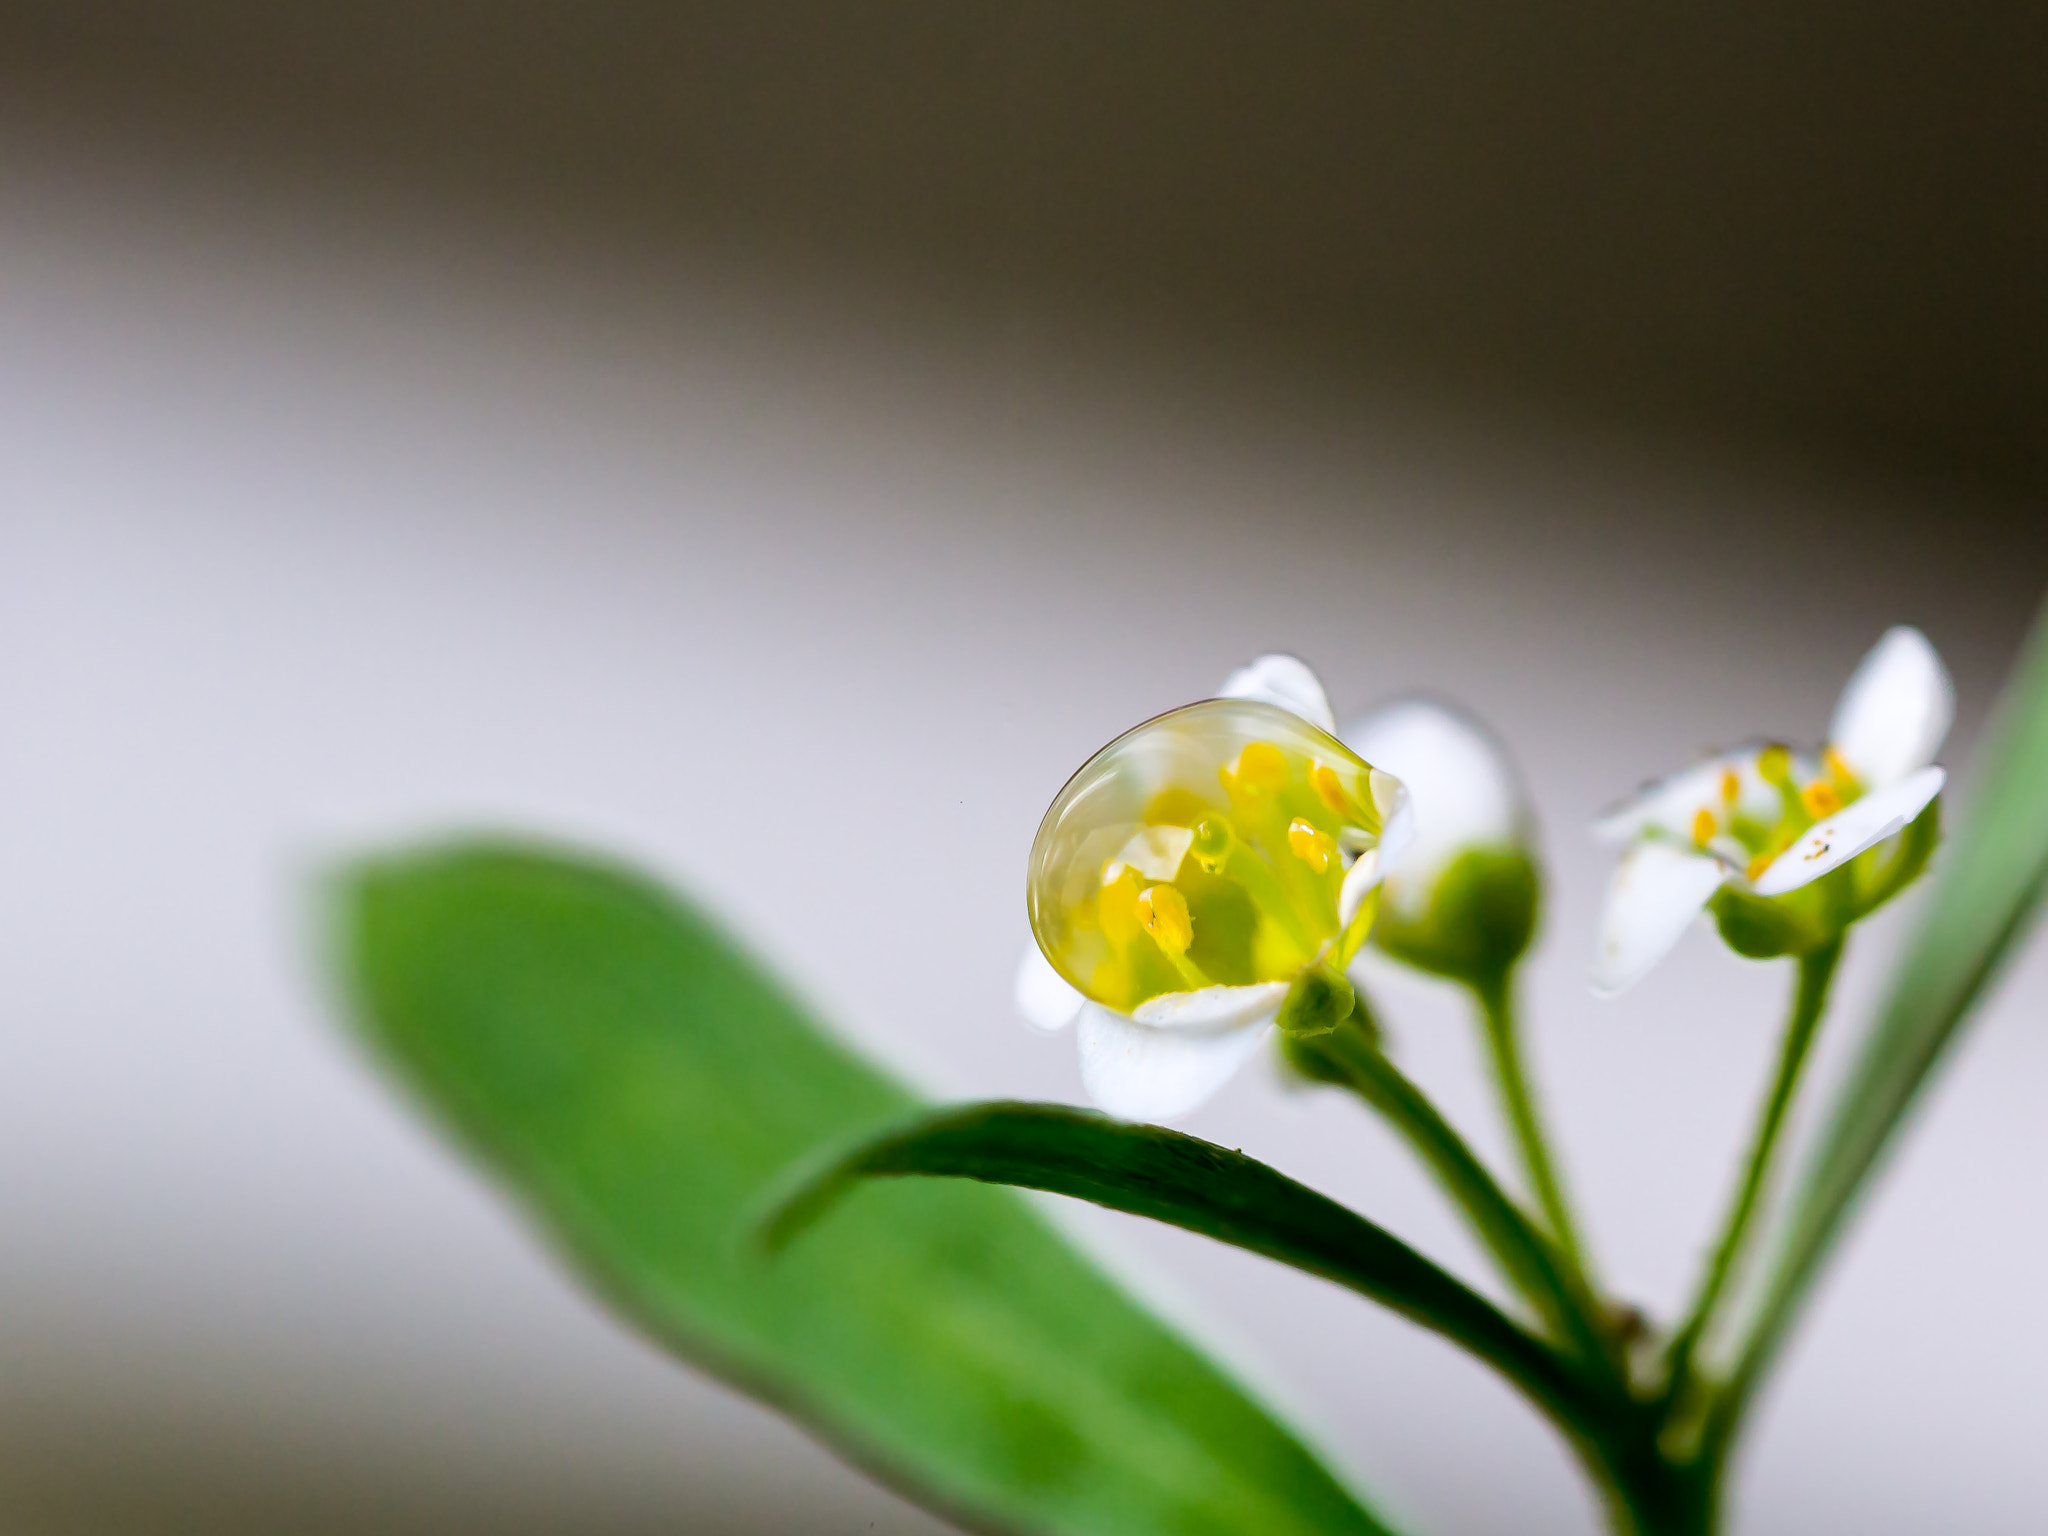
<point>1320,999</point>
<point>1878,880</point>
<point>1479,920</point>
<point>1769,927</point>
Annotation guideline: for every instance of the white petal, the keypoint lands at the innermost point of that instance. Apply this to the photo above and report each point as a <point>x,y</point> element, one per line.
<point>1464,789</point>
<point>1142,1072</point>
<point>1156,852</point>
<point>1896,709</point>
<point>1365,873</point>
<point>1460,785</point>
<point>1213,1009</point>
<point>1287,681</point>
<point>1669,805</point>
<point>1658,888</point>
<point>1045,998</point>
<point>1862,824</point>
<point>1396,806</point>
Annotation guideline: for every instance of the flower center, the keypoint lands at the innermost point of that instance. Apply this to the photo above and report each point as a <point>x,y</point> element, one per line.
<point>1207,847</point>
<point>1796,795</point>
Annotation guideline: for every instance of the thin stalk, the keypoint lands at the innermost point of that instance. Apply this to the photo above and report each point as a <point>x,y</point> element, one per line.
<point>1525,1257</point>
<point>1809,1002</point>
<point>1496,1006</point>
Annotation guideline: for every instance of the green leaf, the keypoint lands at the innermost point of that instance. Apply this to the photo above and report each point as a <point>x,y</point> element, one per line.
<point>638,1083</point>
<point>1989,886</point>
<point>1146,1170</point>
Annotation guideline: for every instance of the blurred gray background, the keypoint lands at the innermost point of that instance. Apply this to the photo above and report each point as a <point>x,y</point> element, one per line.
<point>707,432</point>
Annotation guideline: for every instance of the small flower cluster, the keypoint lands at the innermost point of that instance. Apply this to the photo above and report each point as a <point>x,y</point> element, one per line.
<point>1209,876</point>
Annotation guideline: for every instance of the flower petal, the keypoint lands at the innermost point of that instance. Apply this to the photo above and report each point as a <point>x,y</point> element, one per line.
<point>1859,825</point>
<point>1895,710</point>
<point>1143,1072</point>
<point>1045,998</point>
<point>1213,1009</point>
<point>1669,805</point>
<point>1287,681</point>
<point>1365,873</point>
<point>1156,852</point>
<point>1464,791</point>
<point>1657,890</point>
<point>1396,809</point>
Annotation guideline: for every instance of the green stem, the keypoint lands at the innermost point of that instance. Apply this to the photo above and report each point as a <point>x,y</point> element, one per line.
<point>1525,1257</point>
<point>1816,974</point>
<point>1496,1006</point>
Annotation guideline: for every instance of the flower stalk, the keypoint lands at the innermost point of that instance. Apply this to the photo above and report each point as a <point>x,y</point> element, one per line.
<point>1495,996</point>
<point>1809,1003</point>
<point>1351,1057</point>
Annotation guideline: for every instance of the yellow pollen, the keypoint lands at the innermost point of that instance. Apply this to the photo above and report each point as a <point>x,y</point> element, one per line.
<point>1731,785</point>
<point>1163,913</point>
<point>1261,765</point>
<point>1313,846</point>
<point>1703,827</point>
<point>1759,864</point>
<point>1328,787</point>
<point>1839,770</point>
<point>1820,798</point>
<point>1775,764</point>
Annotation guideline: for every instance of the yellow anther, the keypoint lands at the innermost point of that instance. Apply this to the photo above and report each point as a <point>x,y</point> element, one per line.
<point>1731,786</point>
<point>1759,864</point>
<point>1329,788</point>
<point>1261,765</point>
<point>1775,764</point>
<point>1820,798</point>
<point>1703,827</point>
<point>1163,912</point>
<point>1310,844</point>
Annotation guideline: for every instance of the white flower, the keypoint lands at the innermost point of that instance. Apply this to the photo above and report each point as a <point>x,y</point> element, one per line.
<point>1191,873</point>
<point>1768,822</point>
<point>1465,795</point>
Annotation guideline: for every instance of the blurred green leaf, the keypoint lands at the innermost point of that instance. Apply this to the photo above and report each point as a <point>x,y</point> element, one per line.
<point>639,1083</point>
<point>1990,884</point>
<point>1147,1170</point>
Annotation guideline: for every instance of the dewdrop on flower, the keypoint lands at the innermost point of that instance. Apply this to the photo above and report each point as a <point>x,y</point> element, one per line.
<point>1209,847</point>
<point>1201,878</point>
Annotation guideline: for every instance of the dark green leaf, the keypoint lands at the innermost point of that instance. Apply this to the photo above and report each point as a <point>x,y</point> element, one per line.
<point>1988,889</point>
<point>638,1084</point>
<point>1146,1170</point>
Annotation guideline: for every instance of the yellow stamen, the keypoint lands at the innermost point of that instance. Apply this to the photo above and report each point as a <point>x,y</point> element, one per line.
<point>1703,827</point>
<point>1759,864</point>
<point>1163,912</point>
<point>1328,787</point>
<point>1313,846</point>
<point>1731,785</point>
<point>1261,765</point>
<point>1820,798</point>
